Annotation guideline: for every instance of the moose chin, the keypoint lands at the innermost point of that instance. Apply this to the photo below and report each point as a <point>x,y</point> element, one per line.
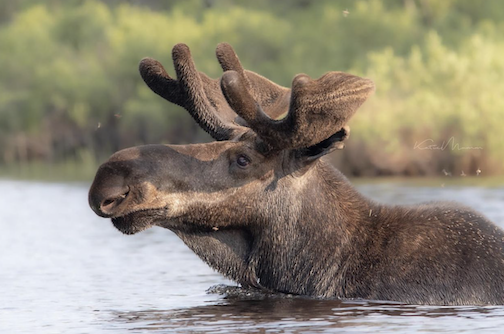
<point>261,207</point>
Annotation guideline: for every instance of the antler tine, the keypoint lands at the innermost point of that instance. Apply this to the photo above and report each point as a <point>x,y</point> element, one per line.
<point>155,76</point>
<point>240,99</point>
<point>243,103</point>
<point>318,108</point>
<point>273,98</point>
<point>193,91</point>
<point>229,61</point>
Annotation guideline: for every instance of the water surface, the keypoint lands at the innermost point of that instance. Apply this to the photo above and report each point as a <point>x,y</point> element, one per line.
<point>65,270</point>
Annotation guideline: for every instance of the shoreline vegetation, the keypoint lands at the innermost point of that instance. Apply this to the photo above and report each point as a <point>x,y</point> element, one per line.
<point>68,173</point>
<point>65,171</point>
<point>71,95</point>
<point>84,172</point>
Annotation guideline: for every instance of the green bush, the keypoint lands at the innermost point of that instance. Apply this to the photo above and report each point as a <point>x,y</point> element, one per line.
<point>69,81</point>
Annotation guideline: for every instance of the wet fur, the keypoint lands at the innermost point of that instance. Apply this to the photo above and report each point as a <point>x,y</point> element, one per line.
<point>344,245</point>
<point>289,221</point>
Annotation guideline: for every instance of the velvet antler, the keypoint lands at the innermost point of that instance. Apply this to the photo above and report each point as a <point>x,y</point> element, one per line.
<point>318,108</point>
<point>192,90</point>
<point>202,96</point>
<point>273,98</point>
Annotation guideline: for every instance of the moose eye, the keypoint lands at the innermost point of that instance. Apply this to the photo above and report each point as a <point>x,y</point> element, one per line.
<point>243,161</point>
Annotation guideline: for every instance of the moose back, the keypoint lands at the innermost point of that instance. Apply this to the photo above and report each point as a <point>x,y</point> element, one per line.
<point>260,206</point>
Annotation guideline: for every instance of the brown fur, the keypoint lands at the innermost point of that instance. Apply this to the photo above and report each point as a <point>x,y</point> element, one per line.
<point>263,209</point>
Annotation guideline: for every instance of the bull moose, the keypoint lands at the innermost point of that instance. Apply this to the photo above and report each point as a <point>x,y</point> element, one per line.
<point>261,207</point>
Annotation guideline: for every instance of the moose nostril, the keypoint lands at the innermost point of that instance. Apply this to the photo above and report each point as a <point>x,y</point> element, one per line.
<point>109,204</point>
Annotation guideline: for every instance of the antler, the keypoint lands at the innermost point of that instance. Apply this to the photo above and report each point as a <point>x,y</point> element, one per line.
<point>318,108</point>
<point>192,90</point>
<point>273,98</point>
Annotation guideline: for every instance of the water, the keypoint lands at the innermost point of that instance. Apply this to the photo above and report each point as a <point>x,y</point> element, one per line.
<point>65,270</point>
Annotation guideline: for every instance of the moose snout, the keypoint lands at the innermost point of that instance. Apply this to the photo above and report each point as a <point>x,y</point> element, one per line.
<point>107,194</point>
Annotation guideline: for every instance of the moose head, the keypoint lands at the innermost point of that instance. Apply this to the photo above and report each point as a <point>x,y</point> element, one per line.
<point>222,198</point>
<point>260,206</point>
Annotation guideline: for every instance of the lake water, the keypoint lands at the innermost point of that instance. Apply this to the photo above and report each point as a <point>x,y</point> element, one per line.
<point>65,270</point>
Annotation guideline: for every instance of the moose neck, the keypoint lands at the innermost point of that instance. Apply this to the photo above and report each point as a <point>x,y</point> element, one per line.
<point>327,217</point>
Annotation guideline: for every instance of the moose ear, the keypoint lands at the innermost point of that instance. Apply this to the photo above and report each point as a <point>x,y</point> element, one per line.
<point>334,142</point>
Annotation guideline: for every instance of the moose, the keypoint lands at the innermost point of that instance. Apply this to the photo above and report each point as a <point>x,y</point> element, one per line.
<point>262,207</point>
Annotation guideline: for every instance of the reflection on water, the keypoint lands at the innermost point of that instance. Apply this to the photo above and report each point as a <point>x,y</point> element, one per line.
<point>308,315</point>
<point>64,270</point>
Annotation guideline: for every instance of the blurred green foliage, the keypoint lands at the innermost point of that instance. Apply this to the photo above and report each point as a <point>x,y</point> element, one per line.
<point>70,88</point>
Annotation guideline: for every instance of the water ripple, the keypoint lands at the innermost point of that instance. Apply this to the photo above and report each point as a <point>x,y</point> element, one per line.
<point>64,270</point>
